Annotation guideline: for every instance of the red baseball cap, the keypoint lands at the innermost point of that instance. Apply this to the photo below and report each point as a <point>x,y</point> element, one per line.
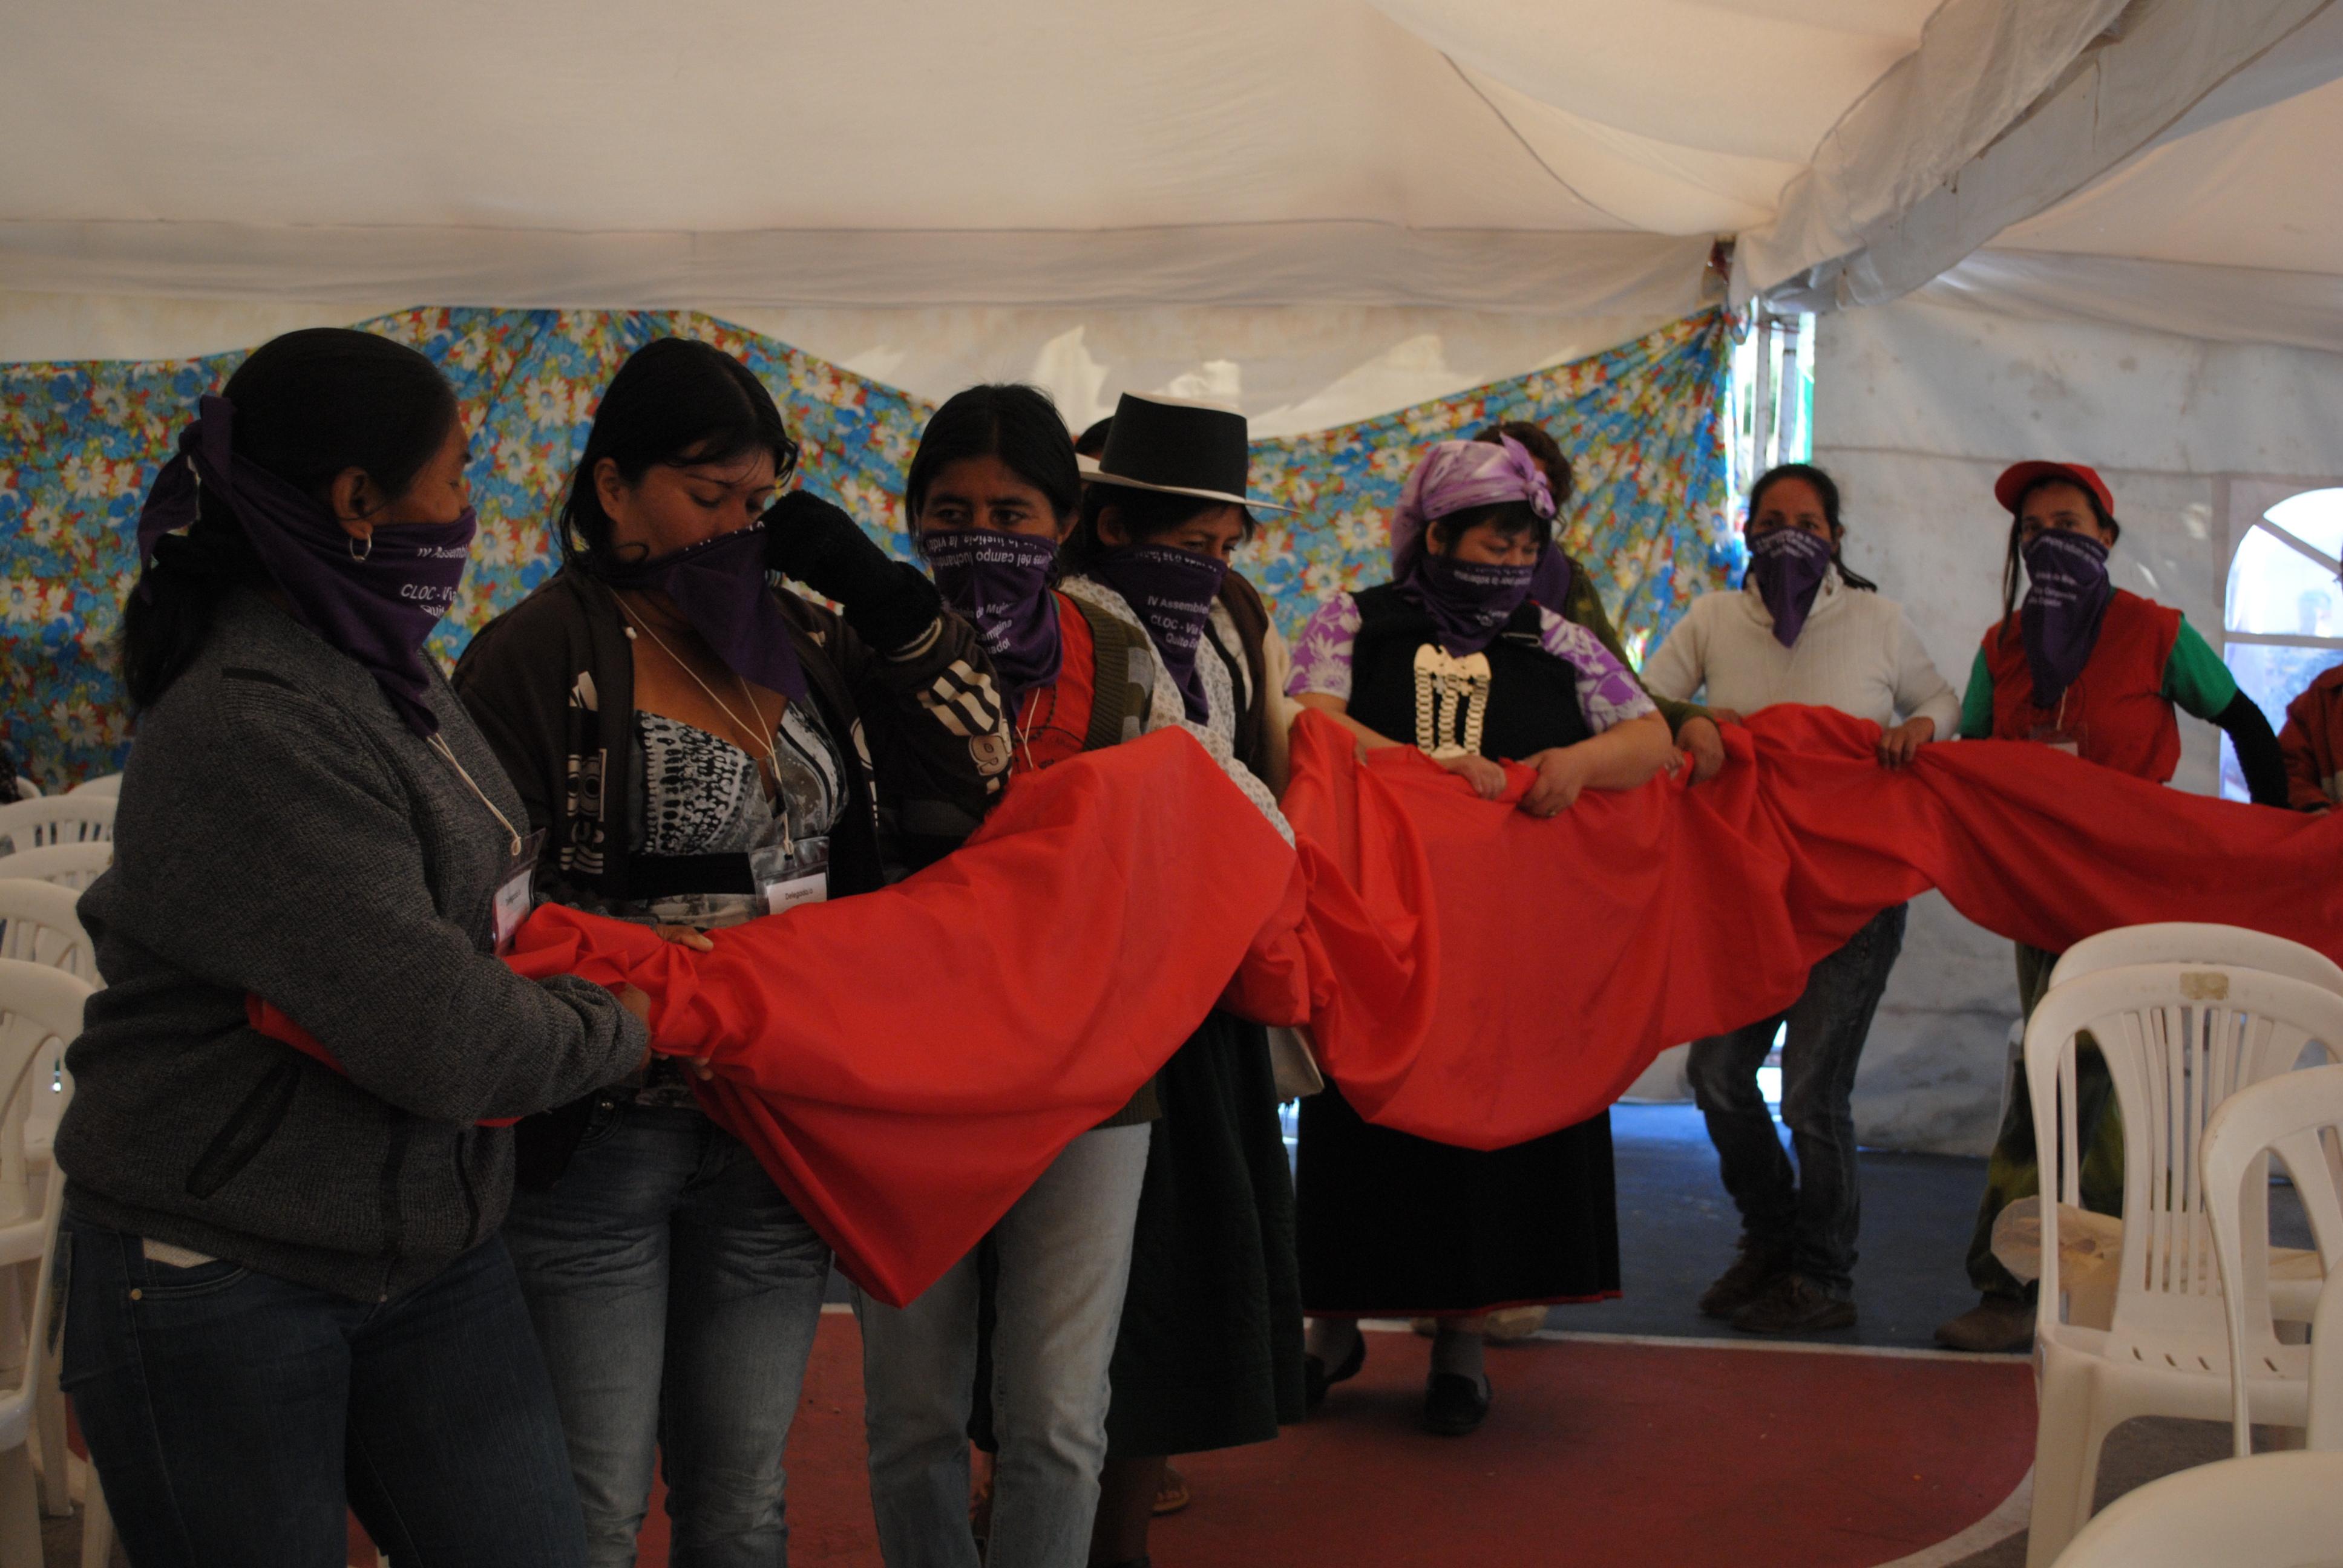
<point>2018,475</point>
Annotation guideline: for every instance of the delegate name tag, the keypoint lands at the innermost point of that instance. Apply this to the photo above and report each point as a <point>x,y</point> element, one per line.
<point>797,890</point>
<point>516,895</point>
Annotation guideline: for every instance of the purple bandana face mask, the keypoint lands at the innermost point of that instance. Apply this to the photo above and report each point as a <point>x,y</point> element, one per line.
<point>1788,566</point>
<point>719,585</point>
<point>375,600</point>
<point>1171,592</point>
<point>1469,601</point>
<point>2066,596</point>
<point>1000,583</point>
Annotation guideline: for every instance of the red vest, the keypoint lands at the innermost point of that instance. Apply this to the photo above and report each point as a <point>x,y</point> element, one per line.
<point>2116,712</point>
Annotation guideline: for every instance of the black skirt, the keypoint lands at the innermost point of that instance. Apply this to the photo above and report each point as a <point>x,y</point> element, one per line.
<point>1210,1352</point>
<point>1393,1225</point>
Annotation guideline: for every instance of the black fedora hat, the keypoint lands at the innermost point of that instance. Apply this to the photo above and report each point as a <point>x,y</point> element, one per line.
<point>1178,447</point>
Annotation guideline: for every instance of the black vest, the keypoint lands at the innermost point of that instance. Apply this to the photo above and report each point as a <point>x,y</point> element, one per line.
<point>1533,699</point>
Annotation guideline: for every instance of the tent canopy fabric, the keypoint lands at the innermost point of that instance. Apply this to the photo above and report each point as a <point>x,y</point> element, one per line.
<point>1571,157</point>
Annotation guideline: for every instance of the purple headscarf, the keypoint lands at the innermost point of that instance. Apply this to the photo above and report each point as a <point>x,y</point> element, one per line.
<point>376,607</point>
<point>1470,602</point>
<point>1454,475</point>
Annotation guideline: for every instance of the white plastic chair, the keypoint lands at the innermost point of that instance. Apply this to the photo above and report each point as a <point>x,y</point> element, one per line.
<point>73,866</point>
<point>2189,942</point>
<point>38,926</point>
<point>2178,1039</point>
<point>2289,1116</point>
<point>39,1008</point>
<point>2271,1511</point>
<point>2184,941</point>
<point>105,786</point>
<point>56,819</point>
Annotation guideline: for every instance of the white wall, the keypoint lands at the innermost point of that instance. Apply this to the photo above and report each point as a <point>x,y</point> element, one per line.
<point>1916,409</point>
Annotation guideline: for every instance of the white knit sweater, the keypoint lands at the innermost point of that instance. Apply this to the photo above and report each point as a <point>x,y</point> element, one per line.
<point>1858,653</point>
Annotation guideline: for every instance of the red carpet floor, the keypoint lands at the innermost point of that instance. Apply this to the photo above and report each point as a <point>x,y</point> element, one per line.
<point>1619,1454</point>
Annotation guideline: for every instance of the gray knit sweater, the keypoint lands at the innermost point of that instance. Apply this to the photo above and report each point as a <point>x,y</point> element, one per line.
<point>282,833</point>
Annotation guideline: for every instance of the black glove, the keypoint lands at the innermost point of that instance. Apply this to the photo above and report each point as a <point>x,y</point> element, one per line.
<point>888,602</point>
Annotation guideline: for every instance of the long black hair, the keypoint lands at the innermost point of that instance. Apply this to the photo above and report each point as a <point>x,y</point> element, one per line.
<point>310,406</point>
<point>675,401</point>
<point>2013,562</point>
<point>1144,514</point>
<point>1826,490</point>
<point>1017,423</point>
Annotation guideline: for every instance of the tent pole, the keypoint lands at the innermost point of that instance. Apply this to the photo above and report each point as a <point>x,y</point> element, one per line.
<point>1787,409</point>
<point>1761,424</point>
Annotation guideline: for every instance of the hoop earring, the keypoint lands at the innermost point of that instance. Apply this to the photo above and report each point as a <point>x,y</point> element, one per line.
<point>359,555</point>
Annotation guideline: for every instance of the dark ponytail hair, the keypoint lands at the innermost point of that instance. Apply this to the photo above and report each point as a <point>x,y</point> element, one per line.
<point>309,405</point>
<point>2013,562</point>
<point>1826,490</point>
<point>675,401</point>
<point>1144,514</point>
<point>1019,425</point>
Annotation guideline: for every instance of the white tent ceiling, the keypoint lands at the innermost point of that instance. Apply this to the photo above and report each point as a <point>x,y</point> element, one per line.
<point>1555,156</point>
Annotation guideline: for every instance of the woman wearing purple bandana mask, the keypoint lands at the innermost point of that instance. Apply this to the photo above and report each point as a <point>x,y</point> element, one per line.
<point>991,491</point>
<point>1563,585</point>
<point>2098,672</point>
<point>288,1285</point>
<point>702,747</point>
<point>1804,628</point>
<point>1203,1356</point>
<point>1453,657</point>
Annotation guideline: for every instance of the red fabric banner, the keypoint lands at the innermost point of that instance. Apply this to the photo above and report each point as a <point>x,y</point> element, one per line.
<point>1569,953</point>
<point>906,1062</point>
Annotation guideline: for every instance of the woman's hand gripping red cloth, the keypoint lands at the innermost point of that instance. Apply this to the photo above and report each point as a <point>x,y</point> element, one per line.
<point>906,1062</point>
<point>1552,960</point>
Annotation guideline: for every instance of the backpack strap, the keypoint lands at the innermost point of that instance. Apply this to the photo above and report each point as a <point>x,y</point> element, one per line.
<point>1120,696</point>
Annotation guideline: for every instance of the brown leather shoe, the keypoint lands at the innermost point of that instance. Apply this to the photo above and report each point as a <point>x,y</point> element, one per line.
<point>1758,1266</point>
<point>1997,1323</point>
<point>1793,1304</point>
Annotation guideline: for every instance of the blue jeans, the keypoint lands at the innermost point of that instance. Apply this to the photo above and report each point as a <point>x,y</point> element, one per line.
<point>1064,1252</point>
<point>675,1293</point>
<point>1817,1211</point>
<point>235,1417</point>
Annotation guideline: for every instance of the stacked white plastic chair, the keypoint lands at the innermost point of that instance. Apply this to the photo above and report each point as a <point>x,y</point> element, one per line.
<point>103,784</point>
<point>40,1007</point>
<point>2179,1039</point>
<point>73,866</point>
<point>2298,1118</point>
<point>55,819</point>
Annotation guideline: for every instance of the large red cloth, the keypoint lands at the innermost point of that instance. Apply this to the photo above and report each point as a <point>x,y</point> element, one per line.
<point>1564,954</point>
<point>906,1062</point>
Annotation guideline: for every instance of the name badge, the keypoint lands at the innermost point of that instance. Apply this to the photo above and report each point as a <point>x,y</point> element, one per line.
<point>2057,738</point>
<point>797,890</point>
<point>516,895</point>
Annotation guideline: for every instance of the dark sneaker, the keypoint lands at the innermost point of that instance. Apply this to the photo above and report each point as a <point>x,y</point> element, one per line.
<point>1793,1304</point>
<point>1758,1266</point>
<point>1454,1406</point>
<point>1995,1323</point>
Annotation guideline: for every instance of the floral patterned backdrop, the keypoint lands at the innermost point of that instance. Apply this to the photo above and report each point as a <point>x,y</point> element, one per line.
<point>1644,424</point>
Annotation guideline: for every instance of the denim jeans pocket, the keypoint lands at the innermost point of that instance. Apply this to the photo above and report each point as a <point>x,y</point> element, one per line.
<point>155,1281</point>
